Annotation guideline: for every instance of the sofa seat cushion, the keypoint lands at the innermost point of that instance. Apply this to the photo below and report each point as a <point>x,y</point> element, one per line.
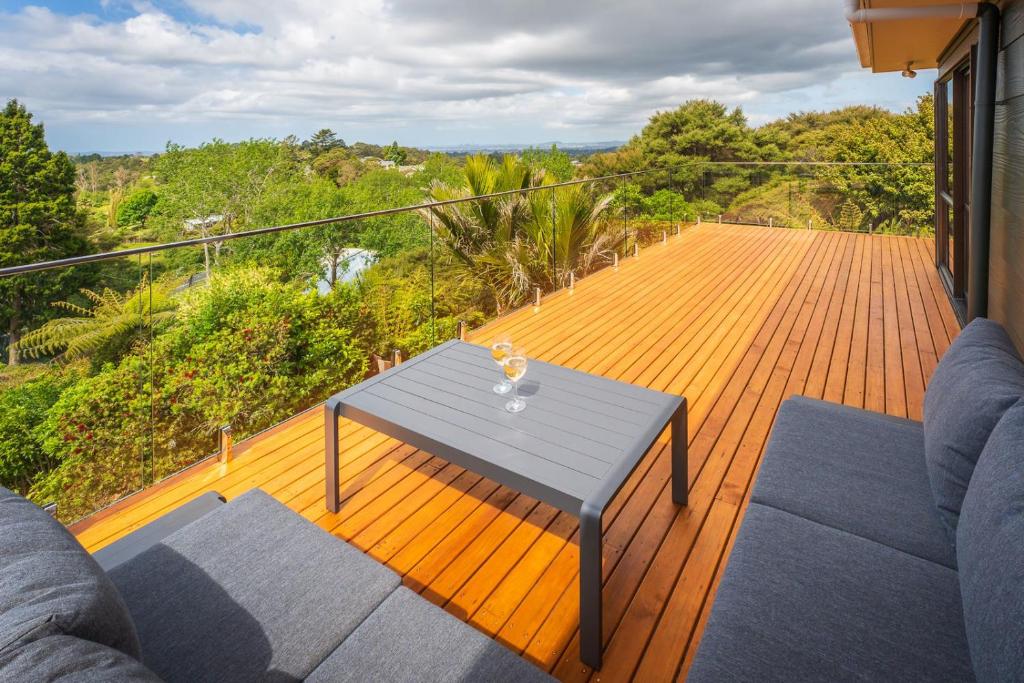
<point>50,585</point>
<point>978,379</point>
<point>990,549</point>
<point>855,470</point>
<point>800,601</point>
<point>67,658</point>
<point>250,591</point>
<point>408,639</point>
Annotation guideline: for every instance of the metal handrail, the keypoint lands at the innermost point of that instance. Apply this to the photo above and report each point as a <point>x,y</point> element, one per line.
<point>151,249</point>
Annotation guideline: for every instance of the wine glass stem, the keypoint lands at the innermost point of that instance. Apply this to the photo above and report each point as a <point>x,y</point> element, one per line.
<point>515,392</point>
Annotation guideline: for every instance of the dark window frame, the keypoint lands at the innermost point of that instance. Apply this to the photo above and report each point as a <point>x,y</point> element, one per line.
<point>953,186</point>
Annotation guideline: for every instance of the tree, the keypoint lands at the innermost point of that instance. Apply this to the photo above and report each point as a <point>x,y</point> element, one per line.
<point>38,220</point>
<point>216,187</point>
<point>133,211</point>
<point>395,153</point>
<point>554,161</point>
<point>324,140</point>
<point>106,329</point>
<point>521,240</point>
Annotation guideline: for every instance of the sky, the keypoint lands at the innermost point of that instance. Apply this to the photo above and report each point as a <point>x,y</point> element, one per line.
<point>123,76</point>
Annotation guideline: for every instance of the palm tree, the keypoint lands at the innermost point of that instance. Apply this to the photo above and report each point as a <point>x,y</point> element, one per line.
<point>105,329</point>
<point>519,240</point>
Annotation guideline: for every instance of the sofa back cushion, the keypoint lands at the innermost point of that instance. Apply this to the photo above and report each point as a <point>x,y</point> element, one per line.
<point>977,381</point>
<point>50,585</point>
<point>66,658</point>
<point>990,554</point>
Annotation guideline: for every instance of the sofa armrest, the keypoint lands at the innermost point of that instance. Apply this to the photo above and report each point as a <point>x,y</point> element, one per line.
<point>124,549</point>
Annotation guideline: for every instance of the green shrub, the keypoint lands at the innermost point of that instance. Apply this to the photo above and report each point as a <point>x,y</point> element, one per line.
<point>22,409</point>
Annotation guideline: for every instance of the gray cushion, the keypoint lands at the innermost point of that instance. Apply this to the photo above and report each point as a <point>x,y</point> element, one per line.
<point>250,591</point>
<point>990,548</point>
<point>858,471</point>
<point>800,601</point>
<point>408,639</point>
<point>978,380</point>
<point>50,584</point>
<point>66,658</point>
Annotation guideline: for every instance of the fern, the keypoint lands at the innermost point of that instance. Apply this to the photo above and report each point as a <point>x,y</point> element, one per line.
<point>110,321</point>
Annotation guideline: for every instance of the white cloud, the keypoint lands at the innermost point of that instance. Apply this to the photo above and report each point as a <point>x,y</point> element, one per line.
<point>420,70</point>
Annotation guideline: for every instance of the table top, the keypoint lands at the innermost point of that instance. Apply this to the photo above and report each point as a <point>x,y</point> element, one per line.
<point>578,439</point>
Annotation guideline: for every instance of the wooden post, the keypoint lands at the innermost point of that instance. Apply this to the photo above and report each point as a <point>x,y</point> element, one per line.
<point>536,297</point>
<point>719,219</point>
<point>572,281</point>
<point>461,330</point>
<point>226,444</point>
<point>396,357</point>
<point>808,223</point>
<point>664,237</point>
<point>770,221</point>
<point>698,218</point>
<point>615,260</point>
<point>636,249</point>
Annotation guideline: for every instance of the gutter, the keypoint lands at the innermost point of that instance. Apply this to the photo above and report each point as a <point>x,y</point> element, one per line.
<point>856,15</point>
<point>981,160</point>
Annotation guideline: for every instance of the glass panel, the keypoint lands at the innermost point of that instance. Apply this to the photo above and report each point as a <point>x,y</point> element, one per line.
<point>74,400</point>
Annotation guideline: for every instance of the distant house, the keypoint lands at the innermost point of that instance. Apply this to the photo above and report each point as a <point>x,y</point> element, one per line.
<point>386,163</point>
<point>201,225</point>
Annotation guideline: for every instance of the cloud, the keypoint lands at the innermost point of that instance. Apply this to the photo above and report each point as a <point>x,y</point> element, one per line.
<point>425,69</point>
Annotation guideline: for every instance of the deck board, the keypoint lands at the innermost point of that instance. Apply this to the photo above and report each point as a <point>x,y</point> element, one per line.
<point>736,318</point>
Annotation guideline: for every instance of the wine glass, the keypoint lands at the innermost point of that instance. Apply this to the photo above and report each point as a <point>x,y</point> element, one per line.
<point>500,350</point>
<point>515,368</point>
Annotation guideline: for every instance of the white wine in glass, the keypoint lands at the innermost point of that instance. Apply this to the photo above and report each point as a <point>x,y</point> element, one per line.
<point>515,368</point>
<point>500,351</point>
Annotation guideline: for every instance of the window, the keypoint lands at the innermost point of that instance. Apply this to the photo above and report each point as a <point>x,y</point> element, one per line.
<point>954,104</point>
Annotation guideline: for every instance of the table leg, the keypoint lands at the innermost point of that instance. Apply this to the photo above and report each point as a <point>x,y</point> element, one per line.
<point>680,467</point>
<point>590,587</point>
<point>331,460</point>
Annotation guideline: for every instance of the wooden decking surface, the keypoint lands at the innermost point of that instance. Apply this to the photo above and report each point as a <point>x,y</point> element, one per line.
<point>735,318</point>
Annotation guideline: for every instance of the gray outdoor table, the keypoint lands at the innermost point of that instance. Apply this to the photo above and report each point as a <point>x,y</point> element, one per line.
<point>574,446</point>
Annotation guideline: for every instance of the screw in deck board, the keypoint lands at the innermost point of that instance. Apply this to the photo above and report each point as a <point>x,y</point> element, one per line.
<point>226,444</point>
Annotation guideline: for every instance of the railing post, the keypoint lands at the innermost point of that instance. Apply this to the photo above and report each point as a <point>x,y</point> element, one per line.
<point>699,216</point>
<point>636,249</point>
<point>615,261</point>
<point>51,508</point>
<point>664,237</point>
<point>226,444</point>
<point>461,330</point>
<point>536,297</point>
<point>770,222</point>
<point>719,219</point>
<point>808,223</point>
<point>396,357</point>
<point>572,281</point>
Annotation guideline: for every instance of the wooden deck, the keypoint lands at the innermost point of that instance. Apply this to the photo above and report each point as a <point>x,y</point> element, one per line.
<point>736,318</point>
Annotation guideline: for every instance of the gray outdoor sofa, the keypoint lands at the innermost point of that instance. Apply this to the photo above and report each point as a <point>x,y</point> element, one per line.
<point>877,548</point>
<point>243,591</point>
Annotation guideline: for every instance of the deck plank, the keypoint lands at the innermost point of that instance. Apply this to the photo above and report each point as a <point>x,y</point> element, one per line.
<point>736,318</point>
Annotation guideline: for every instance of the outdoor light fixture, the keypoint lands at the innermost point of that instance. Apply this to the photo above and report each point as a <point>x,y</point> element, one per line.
<point>909,73</point>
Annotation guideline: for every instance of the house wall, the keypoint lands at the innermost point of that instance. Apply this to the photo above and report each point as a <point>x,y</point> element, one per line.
<point>1006,262</point>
